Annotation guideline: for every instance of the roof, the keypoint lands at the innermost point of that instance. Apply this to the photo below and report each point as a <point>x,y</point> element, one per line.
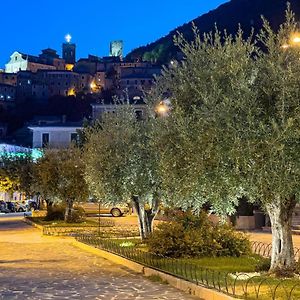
<point>140,76</point>
<point>7,85</point>
<point>35,59</point>
<point>110,102</point>
<point>59,125</point>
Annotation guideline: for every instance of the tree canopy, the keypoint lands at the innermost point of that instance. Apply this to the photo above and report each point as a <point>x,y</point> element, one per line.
<point>121,161</point>
<point>234,126</point>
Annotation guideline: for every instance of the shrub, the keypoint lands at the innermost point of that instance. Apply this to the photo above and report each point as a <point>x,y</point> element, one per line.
<point>195,236</point>
<point>263,264</point>
<point>55,213</point>
<point>77,216</point>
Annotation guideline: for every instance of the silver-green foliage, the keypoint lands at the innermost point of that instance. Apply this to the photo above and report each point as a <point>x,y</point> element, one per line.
<point>120,159</point>
<point>234,127</point>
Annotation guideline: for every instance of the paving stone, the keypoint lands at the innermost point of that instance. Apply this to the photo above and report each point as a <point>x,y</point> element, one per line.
<point>41,268</point>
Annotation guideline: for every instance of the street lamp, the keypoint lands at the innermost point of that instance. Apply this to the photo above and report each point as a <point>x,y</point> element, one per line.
<point>99,221</point>
<point>296,39</point>
<point>163,108</point>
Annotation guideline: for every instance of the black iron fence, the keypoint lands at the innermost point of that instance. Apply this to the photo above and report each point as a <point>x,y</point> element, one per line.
<point>265,250</point>
<point>241,285</point>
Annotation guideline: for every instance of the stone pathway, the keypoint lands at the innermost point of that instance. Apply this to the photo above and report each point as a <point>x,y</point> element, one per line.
<point>36,267</point>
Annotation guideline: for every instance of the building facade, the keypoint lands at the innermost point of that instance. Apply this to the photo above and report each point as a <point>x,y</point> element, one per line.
<point>59,135</point>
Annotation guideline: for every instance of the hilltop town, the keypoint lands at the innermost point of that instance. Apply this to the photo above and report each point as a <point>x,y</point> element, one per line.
<point>38,93</point>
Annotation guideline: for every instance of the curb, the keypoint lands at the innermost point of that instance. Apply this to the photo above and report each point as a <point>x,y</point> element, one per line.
<point>27,221</point>
<point>186,286</point>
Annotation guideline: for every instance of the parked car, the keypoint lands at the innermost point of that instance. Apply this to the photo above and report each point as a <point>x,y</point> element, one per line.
<point>31,205</point>
<point>20,206</point>
<point>3,207</point>
<point>115,211</point>
<point>10,206</point>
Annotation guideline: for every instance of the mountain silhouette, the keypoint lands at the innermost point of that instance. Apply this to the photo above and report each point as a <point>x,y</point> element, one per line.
<point>227,16</point>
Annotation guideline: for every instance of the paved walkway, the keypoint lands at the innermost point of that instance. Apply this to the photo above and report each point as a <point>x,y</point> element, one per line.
<point>36,267</point>
<point>266,237</point>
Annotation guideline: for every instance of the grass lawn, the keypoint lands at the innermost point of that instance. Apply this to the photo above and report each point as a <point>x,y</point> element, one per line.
<point>218,272</point>
<point>61,223</point>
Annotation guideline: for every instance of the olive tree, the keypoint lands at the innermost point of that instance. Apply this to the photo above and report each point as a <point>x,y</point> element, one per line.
<point>234,127</point>
<point>122,163</point>
<point>16,173</point>
<point>59,177</point>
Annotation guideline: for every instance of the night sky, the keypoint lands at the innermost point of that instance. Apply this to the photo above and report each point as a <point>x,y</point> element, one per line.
<point>29,26</point>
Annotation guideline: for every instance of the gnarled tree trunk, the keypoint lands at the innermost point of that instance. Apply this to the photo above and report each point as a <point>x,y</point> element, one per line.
<point>68,212</point>
<point>145,216</point>
<point>280,213</point>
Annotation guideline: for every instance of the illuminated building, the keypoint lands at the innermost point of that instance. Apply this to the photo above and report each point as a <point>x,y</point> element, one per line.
<point>59,135</point>
<point>69,51</point>
<point>116,49</point>
<point>47,60</point>
<point>7,95</point>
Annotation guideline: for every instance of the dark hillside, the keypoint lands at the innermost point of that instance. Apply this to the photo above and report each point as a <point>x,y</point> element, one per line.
<point>245,12</point>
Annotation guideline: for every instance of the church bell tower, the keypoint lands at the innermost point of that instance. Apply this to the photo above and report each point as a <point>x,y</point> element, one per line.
<point>69,51</point>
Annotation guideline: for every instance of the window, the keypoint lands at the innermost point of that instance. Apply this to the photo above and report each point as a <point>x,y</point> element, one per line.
<point>139,114</point>
<point>74,138</point>
<point>45,139</point>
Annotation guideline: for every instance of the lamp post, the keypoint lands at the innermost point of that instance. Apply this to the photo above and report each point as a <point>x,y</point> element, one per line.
<point>99,210</point>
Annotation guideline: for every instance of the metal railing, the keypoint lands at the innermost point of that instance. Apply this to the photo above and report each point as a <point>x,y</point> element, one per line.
<point>241,285</point>
<point>265,250</point>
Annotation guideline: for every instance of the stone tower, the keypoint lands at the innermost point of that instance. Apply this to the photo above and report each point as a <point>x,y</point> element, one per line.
<point>116,49</point>
<point>69,51</point>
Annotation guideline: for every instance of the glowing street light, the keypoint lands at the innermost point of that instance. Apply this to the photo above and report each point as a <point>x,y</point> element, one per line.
<point>68,38</point>
<point>296,40</point>
<point>93,86</point>
<point>163,108</point>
